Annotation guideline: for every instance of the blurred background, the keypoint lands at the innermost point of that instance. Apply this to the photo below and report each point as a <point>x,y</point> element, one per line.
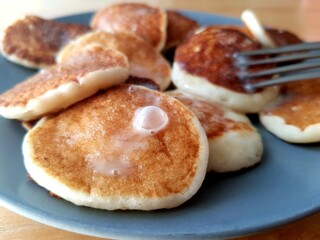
<point>299,16</point>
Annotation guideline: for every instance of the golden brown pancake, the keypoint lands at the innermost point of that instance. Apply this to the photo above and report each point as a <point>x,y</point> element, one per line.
<point>204,66</point>
<point>179,28</point>
<point>91,154</point>
<point>147,22</point>
<point>283,37</point>
<point>209,55</point>
<point>225,130</point>
<point>280,37</point>
<point>60,86</point>
<point>239,28</point>
<point>145,61</point>
<point>295,115</point>
<point>34,41</point>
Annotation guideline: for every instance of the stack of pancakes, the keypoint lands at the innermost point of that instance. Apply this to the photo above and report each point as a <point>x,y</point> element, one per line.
<point>102,131</point>
<point>294,115</point>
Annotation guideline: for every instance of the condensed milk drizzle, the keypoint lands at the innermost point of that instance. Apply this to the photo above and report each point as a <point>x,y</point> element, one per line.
<point>115,161</point>
<point>123,149</point>
<point>149,120</point>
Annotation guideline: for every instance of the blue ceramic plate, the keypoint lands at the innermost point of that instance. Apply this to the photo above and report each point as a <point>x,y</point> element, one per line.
<point>284,187</point>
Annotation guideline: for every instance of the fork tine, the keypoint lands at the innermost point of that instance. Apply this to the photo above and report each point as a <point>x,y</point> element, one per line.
<point>284,49</point>
<point>285,79</point>
<point>243,75</point>
<point>243,61</point>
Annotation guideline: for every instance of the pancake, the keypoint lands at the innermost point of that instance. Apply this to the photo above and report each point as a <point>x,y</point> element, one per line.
<point>239,28</point>
<point>109,152</point>
<point>33,41</point>
<point>179,28</point>
<point>225,130</point>
<point>280,37</point>
<point>204,66</point>
<point>283,37</point>
<point>295,116</point>
<point>149,23</point>
<point>60,86</point>
<point>145,61</point>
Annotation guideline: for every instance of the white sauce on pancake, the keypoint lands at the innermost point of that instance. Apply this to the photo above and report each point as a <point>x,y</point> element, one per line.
<point>115,161</point>
<point>149,120</point>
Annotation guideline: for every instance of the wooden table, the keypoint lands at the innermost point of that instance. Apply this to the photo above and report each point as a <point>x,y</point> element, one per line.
<point>299,16</point>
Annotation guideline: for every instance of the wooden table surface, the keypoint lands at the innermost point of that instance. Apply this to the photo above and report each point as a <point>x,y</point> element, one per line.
<point>299,16</point>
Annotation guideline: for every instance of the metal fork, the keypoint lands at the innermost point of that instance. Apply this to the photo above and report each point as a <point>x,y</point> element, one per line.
<point>280,74</point>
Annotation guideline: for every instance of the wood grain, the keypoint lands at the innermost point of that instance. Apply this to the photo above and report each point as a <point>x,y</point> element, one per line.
<point>299,16</point>
<point>15,227</point>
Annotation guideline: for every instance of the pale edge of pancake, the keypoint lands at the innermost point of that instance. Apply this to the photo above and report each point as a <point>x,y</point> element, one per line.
<point>162,27</point>
<point>290,133</point>
<point>63,54</point>
<point>20,61</point>
<point>247,150</point>
<point>242,102</point>
<point>117,202</point>
<point>162,81</point>
<point>13,58</point>
<point>246,145</point>
<point>67,94</point>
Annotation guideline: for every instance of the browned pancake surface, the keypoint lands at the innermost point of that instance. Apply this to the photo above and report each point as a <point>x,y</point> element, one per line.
<point>88,60</point>
<point>211,116</point>
<point>37,40</point>
<point>141,19</point>
<point>299,104</point>
<point>166,166</point>
<point>179,28</point>
<point>144,61</point>
<point>283,37</point>
<point>233,27</point>
<point>208,54</point>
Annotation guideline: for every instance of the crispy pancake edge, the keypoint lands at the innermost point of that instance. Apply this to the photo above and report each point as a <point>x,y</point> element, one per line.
<point>68,93</point>
<point>246,142</point>
<point>23,56</point>
<point>163,80</point>
<point>163,27</point>
<point>290,133</point>
<point>242,102</point>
